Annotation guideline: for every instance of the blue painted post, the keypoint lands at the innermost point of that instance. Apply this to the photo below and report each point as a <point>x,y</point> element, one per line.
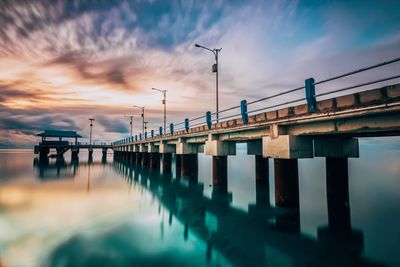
<point>310,94</point>
<point>152,133</point>
<point>243,111</point>
<point>135,137</point>
<point>160,130</point>
<point>171,128</point>
<point>208,119</point>
<point>140,136</point>
<point>187,125</point>
<point>145,135</point>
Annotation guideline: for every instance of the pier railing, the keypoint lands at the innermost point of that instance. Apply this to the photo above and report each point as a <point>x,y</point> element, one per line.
<point>309,96</point>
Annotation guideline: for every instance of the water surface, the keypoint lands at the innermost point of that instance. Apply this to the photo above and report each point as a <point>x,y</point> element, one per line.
<point>113,214</point>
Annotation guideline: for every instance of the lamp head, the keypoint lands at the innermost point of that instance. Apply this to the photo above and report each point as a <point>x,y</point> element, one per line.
<point>197,45</point>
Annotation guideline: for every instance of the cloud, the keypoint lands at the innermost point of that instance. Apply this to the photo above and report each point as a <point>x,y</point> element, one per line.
<point>78,59</point>
<point>112,125</point>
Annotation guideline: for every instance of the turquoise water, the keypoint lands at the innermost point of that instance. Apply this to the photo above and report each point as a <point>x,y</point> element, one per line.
<point>112,214</point>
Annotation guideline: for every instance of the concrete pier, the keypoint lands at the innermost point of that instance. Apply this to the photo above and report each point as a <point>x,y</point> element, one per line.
<point>145,159</point>
<point>287,193</point>
<point>262,181</point>
<point>286,183</point>
<point>220,174</point>
<point>337,192</point>
<point>166,162</point>
<point>154,160</point>
<point>178,164</point>
<point>139,156</point>
<point>189,165</point>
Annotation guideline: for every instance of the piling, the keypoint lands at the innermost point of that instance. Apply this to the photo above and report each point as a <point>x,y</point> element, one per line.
<point>262,181</point>
<point>166,162</point>
<point>337,190</point>
<point>220,174</point>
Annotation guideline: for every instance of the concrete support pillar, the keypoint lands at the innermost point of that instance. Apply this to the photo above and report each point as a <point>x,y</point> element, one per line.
<point>178,165</point>
<point>104,154</point>
<point>133,158</point>
<point>220,174</point>
<point>166,162</point>
<point>262,181</point>
<point>337,190</point>
<point>189,165</point>
<point>74,154</point>
<point>286,183</point>
<point>145,160</point>
<point>90,155</point>
<point>139,157</point>
<point>287,193</point>
<point>154,160</point>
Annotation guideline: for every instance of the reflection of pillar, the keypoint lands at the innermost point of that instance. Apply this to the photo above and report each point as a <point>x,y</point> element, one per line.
<point>154,160</point>
<point>178,165</point>
<point>262,181</point>
<point>337,189</point>
<point>287,193</point>
<point>74,154</point>
<point>166,162</point>
<point>220,174</point>
<point>186,232</point>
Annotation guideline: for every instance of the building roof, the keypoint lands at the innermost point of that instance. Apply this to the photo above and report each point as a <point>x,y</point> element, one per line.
<point>54,133</point>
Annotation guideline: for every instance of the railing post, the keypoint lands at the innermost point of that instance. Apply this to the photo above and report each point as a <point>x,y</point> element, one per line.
<point>243,112</point>
<point>310,94</point>
<point>152,133</point>
<point>208,119</point>
<point>187,125</point>
<point>171,128</point>
<point>140,136</point>
<point>145,135</point>
<point>135,137</point>
<point>160,130</point>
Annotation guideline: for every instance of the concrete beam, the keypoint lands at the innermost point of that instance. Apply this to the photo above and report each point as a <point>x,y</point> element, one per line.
<point>287,147</point>
<point>220,148</point>
<point>184,148</point>
<point>166,148</point>
<point>254,147</point>
<point>136,148</point>
<point>336,147</point>
<point>143,148</point>
<point>152,148</point>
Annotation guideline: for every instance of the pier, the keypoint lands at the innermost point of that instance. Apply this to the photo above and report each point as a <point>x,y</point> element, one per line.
<point>312,126</point>
<point>61,146</point>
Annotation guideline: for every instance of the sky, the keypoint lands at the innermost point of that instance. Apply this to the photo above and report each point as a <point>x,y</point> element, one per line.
<point>65,61</point>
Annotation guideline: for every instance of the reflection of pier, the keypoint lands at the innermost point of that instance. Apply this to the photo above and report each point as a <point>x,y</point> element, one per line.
<point>261,237</point>
<point>61,146</point>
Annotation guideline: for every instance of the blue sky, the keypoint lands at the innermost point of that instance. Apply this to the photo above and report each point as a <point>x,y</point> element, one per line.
<point>65,61</point>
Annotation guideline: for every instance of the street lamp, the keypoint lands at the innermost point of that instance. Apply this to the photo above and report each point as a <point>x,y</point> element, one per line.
<point>91,126</point>
<point>142,108</point>
<point>131,118</point>
<point>164,92</point>
<point>215,51</point>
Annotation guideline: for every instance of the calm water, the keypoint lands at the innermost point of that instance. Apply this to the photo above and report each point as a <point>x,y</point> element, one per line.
<point>110,214</point>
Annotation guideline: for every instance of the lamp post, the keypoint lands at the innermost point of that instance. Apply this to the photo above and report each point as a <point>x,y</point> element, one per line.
<point>91,126</point>
<point>131,118</point>
<point>142,108</point>
<point>215,51</point>
<point>164,92</point>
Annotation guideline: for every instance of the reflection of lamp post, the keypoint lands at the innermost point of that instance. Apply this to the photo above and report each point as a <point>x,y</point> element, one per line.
<point>91,126</point>
<point>215,51</point>
<point>131,117</point>
<point>142,117</point>
<point>165,106</point>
